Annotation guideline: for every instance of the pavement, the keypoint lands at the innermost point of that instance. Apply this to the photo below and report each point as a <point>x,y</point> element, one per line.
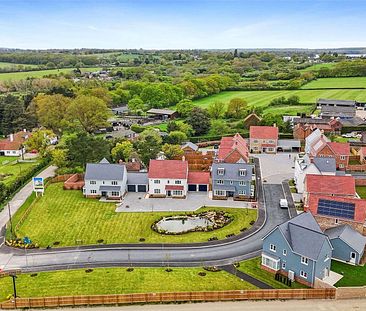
<point>139,202</point>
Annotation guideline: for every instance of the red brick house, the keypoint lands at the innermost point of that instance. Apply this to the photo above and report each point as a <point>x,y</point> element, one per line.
<point>233,150</point>
<point>303,127</point>
<point>263,139</point>
<point>340,151</point>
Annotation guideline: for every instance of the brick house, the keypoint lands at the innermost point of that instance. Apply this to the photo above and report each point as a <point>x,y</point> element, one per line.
<point>233,150</point>
<point>252,119</point>
<point>263,139</point>
<point>339,151</point>
<point>303,127</point>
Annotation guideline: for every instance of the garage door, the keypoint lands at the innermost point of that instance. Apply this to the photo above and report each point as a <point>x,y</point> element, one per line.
<point>141,188</point>
<point>192,187</point>
<point>202,188</point>
<point>131,188</point>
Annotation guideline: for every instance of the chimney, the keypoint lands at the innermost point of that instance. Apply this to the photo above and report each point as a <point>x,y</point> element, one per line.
<point>183,158</point>
<point>274,125</point>
<point>11,137</point>
<point>25,130</point>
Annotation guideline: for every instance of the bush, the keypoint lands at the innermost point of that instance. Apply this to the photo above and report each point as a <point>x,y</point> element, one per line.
<point>142,240</point>
<point>89,270</point>
<point>243,229</point>
<point>100,241</point>
<point>202,273</point>
<point>252,222</point>
<point>129,269</point>
<point>168,270</point>
<point>212,269</point>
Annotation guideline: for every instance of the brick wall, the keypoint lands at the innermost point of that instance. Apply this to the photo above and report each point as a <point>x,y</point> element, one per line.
<point>351,292</point>
<point>329,222</point>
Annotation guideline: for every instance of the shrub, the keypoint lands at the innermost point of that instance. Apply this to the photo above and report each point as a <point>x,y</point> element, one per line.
<point>142,240</point>
<point>202,273</point>
<point>212,269</point>
<point>129,269</point>
<point>252,222</point>
<point>56,243</point>
<point>168,270</point>
<point>100,241</point>
<point>243,229</point>
<point>88,270</point>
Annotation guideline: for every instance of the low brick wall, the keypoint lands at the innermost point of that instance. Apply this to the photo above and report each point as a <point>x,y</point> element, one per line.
<point>350,292</point>
<point>360,182</point>
<point>74,182</point>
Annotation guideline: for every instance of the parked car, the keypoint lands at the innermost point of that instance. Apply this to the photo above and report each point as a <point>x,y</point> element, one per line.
<point>283,203</point>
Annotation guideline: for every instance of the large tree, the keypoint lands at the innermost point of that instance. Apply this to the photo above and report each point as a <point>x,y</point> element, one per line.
<point>172,151</point>
<point>236,108</point>
<point>40,140</point>
<point>199,119</point>
<point>148,145</point>
<point>122,151</point>
<point>177,137</point>
<point>216,110</point>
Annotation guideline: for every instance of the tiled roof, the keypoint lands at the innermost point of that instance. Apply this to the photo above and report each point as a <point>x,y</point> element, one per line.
<point>332,185</point>
<point>228,144</point>
<point>350,236</point>
<point>263,132</point>
<point>104,171</point>
<point>168,169</point>
<point>202,178</point>
<point>340,148</point>
<point>18,139</point>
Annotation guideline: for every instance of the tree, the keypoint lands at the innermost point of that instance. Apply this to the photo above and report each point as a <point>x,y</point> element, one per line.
<point>236,108</point>
<point>148,145</point>
<point>88,112</point>
<point>218,127</point>
<point>84,148</point>
<point>122,151</point>
<point>216,110</point>
<point>40,140</point>
<point>199,119</point>
<point>184,107</point>
<point>172,151</point>
<point>59,157</point>
<point>135,104</point>
<point>180,126</point>
<point>293,100</point>
<point>177,137</point>
<point>52,111</point>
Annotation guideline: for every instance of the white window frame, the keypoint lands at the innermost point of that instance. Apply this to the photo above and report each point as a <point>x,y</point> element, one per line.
<point>178,182</point>
<point>342,157</point>
<point>272,248</point>
<point>231,182</point>
<point>177,193</point>
<point>303,274</point>
<point>220,182</point>
<point>305,260</point>
<point>93,182</point>
<point>220,171</point>
<point>341,165</point>
<point>242,183</point>
<point>93,191</point>
<point>114,182</point>
<point>242,172</point>
<point>220,193</point>
<point>284,252</point>
<point>115,193</point>
<point>156,181</point>
<point>275,262</point>
<point>156,191</point>
<point>283,266</point>
<point>242,192</point>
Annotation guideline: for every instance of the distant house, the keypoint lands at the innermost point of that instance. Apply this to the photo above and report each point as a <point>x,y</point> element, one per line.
<point>337,108</point>
<point>168,178</point>
<point>303,127</point>
<point>121,110</point>
<point>315,142</point>
<point>252,119</point>
<point>348,244</point>
<point>318,166</point>
<point>13,145</point>
<point>263,139</point>
<point>233,150</point>
<point>339,151</point>
<point>232,180</point>
<point>189,147</point>
<point>104,179</point>
<point>298,249</point>
<point>163,114</point>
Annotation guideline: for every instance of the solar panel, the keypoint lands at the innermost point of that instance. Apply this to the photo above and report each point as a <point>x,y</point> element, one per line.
<point>336,209</point>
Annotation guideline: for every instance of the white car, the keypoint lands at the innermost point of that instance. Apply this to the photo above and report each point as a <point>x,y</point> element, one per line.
<point>283,203</point>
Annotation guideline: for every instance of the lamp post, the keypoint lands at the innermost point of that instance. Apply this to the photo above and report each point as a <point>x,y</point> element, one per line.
<point>13,276</point>
<point>11,223</point>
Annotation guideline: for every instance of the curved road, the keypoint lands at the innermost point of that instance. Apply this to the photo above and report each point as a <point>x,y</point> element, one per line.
<point>198,254</point>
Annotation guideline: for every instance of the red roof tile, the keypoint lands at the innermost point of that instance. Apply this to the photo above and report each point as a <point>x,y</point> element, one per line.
<point>360,205</point>
<point>173,187</point>
<point>340,148</point>
<point>202,178</point>
<point>330,185</point>
<point>229,144</point>
<point>263,132</point>
<point>18,139</point>
<point>168,169</point>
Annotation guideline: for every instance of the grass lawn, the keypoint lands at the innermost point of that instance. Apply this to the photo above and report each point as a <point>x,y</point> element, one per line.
<point>253,268</point>
<point>119,281</point>
<point>361,191</point>
<point>316,67</point>
<point>354,82</point>
<point>9,171</point>
<point>352,275</point>
<point>263,98</point>
<point>66,216</point>
<point>7,65</point>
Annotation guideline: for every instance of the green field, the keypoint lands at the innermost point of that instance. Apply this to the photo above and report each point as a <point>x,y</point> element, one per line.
<point>40,73</point>
<point>355,82</point>
<point>352,275</point>
<point>361,191</point>
<point>9,171</point>
<point>316,67</point>
<point>253,268</point>
<point>120,281</point>
<point>7,65</point>
<point>65,216</point>
<point>263,98</point>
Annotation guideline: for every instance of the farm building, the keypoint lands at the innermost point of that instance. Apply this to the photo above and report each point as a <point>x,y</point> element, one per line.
<point>163,114</point>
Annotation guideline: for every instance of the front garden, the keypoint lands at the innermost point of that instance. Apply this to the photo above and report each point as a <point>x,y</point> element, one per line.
<point>352,275</point>
<point>65,218</point>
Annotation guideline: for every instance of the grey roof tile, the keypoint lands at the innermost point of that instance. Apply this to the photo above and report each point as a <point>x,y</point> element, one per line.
<point>349,236</point>
<point>325,164</point>
<point>104,171</point>
<point>232,171</point>
<point>137,178</point>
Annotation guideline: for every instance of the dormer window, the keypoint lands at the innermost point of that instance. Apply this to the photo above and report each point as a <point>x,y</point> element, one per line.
<point>243,172</point>
<point>220,171</point>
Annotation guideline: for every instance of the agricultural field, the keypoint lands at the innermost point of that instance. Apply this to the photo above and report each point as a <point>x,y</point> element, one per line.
<point>354,82</point>
<point>263,98</point>
<point>10,169</point>
<point>65,216</point>
<point>316,67</point>
<point>40,73</point>
<point>7,65</point>
<point>119,281</point>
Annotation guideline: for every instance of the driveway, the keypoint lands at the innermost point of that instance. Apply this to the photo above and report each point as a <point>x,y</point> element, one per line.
<point>277,167</point>
<point>138,202</point>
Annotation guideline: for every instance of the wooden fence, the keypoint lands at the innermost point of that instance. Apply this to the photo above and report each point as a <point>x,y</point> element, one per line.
<point>67,301</point>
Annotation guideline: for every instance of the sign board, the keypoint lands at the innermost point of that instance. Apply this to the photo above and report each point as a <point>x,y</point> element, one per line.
<point>38,185</point>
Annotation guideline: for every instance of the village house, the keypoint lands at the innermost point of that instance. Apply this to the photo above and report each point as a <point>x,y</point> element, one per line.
<point>298,249</point>
<point>106,180</point>
<point>339,151</point>
<point>13,145</point>
<point>233,150</point>
<point>252,119</point>
<point>189,147</point>
<point>314,142</point>
<point>263,139</point>
<point>303,127</point>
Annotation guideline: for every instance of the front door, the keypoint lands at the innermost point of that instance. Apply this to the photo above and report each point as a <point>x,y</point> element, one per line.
<point>353,257</point>
<point>104,193</point>
<point>326,272</point>
<point>168,193</point>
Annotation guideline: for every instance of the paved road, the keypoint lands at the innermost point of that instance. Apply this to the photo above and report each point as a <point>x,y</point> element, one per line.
<point>290,305</point>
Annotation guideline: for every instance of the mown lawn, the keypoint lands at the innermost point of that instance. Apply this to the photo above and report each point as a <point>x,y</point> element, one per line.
<point>263,98</point>
<point>354,82</point>
<point>316,67</point>
<point>66,216</point>
<point>352,275</point>
<point>253,268</point>
<point>361,191</point>
<point>119,281</point>
<point>9,171</point>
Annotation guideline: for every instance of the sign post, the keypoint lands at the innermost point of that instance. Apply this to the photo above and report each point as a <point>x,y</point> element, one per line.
<point>38,185</point>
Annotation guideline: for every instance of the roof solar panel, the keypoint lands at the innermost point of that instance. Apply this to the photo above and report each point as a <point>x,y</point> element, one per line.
<point>336,209</point>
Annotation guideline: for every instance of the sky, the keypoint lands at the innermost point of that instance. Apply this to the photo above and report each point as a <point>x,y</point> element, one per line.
<point>182,24</point>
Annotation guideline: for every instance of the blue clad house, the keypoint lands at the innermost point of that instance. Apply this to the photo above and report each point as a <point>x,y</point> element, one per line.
<point>348,244</point>
<point>232,180</point>
<point>298,249</point>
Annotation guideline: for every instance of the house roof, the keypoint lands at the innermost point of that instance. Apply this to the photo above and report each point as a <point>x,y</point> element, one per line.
<point>229,144</point>
<point>202,178</point>
<point>340,148</point>
<point>168,169</point>
<point>348,235</point>
<point>252,115</point>
<point>190,145</point>
<point>293,143</point>
<point>263,132</point>
<point>120,109</point>
<point>137,178</point>
<point>311,121</point>
<point>325,164</point>
<point>161,111</point>
<point>232,171</point>
<point>104,171</point>
<point>304,235</point>
<point>335,102</point>
<point>18,139</point>
<point>329,184</point>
